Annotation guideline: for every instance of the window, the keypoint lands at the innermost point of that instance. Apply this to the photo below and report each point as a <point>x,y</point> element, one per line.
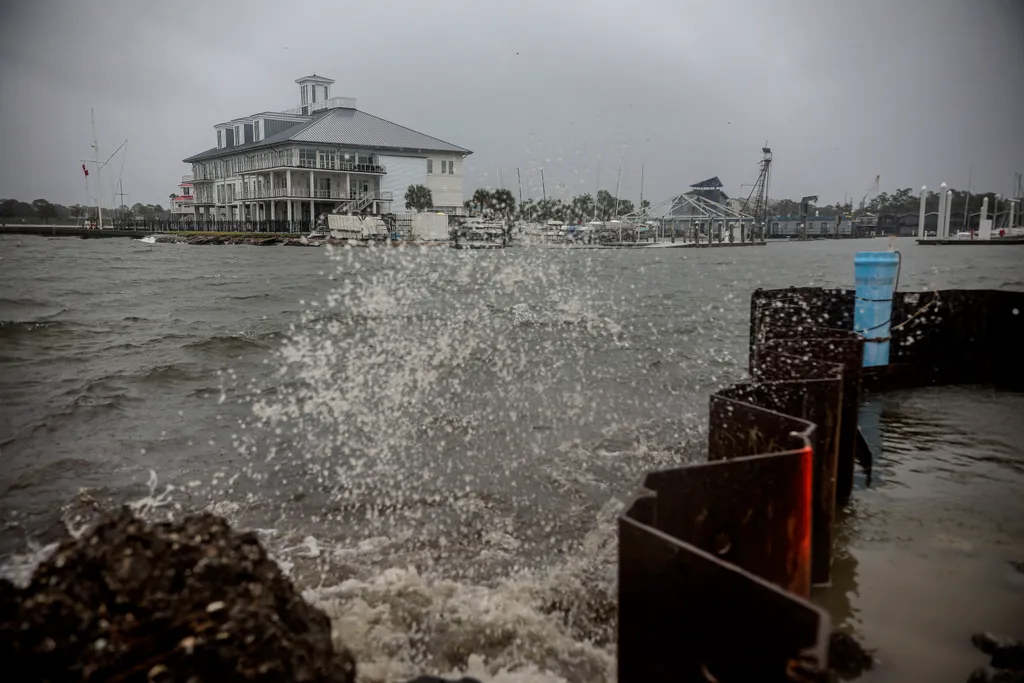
<point>220,194</point>
<point>305,98</point>
<point>220,138</point>
<point>314,93</point>
<point>451,167</point>
<point>430,165</point>
<point>307,158</point>
<point>444,165</point>
<point>326,93</point>
<point>255,131</point>
<point>238,140</point>
<point>323,188</point>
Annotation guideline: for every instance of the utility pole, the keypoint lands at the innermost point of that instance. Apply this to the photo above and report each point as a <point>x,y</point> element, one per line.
<point>519,179</point>
<point>543,189</point>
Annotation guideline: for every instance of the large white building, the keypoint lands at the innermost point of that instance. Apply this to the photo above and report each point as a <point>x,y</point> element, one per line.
<point>323,156</point>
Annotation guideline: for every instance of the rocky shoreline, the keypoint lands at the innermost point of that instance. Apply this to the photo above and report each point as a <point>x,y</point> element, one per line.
<point>188,602</point>
<point>197,602</point>
<point>280,240</point>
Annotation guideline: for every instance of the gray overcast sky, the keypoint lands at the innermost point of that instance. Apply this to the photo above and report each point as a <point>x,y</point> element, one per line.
<point>918,91</point>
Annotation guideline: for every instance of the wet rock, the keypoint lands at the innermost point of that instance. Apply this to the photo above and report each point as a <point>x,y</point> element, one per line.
<point>1006,653</point>
<point>987,674</point>
<point>847,657</point>
<point>193,601</point>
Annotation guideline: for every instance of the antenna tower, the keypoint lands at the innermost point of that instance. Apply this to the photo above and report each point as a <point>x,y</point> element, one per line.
<point>757,203</point>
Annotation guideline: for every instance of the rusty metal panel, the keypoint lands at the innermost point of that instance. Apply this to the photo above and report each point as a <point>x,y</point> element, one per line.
<point>819,402</point>
<point>836,346</point>
<point>686,614</point>
<point>798,307</point>
<point>753,512</point>
<point>714,557</point>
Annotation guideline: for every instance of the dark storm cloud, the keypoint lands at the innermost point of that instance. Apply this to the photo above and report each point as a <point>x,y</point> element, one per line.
<point>918,91</point>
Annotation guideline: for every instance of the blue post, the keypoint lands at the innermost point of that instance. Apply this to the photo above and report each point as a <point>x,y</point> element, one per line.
<point>875,274</point>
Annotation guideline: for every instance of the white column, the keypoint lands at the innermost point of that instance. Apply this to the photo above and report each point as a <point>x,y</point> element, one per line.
<point>289,203</point>
<point>920,215</point>
<point>941,222</point>
<point>949,211</point>
<point>312,211</point>
<point>984,230</point>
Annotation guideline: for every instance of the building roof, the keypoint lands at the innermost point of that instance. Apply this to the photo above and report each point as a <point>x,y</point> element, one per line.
<point>710,183</point>
<point>349,127</point>
<point>314,77</point>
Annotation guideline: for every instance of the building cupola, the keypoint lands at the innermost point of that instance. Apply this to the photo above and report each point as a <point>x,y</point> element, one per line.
<point>313,90</point>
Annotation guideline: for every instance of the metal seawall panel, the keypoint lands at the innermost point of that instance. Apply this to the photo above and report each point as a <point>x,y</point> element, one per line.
<point>716,558</point>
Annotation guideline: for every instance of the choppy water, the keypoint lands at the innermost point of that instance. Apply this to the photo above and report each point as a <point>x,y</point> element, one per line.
<point>433,442</point>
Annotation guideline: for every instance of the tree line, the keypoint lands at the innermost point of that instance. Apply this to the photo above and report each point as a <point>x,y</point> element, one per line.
<point>49,212</point>
<point>902,201</point>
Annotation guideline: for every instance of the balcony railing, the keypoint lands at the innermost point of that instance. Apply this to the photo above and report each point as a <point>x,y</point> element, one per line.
<point>289,161</point>
<point>187,178</point>
<point>305,193</point>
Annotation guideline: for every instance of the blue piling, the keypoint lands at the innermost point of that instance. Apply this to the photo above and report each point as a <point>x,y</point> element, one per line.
<point>875,274</point>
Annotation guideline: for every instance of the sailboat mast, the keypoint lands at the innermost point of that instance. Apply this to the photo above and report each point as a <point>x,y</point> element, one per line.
<point>99,183</point>
<point>641,187</point>
<point>617,181</point>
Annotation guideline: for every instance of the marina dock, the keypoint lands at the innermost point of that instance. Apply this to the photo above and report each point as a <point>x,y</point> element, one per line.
<point>995,241</point>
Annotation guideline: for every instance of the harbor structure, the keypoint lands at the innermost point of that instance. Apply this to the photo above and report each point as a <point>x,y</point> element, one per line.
<point>324,156</point>
<point>816,226</point>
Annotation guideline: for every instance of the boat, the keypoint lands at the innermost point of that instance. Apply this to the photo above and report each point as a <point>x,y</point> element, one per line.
<point>475,233</point>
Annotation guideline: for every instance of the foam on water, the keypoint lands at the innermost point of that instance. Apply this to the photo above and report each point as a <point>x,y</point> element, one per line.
<point>440,543</point>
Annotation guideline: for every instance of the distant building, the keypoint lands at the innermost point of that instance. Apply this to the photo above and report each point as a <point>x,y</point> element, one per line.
<point>182,202</point>
<point>323,156</point>
<point>708,189</point>
<point>817,226</point>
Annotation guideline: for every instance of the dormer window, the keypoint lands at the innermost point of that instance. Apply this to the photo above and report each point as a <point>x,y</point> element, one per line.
<point>305,95</point>
<point>327,95</point>
<point>238,140</point>
<point>220,139</point>
<point>256,131</point>
<point>314,94</point>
